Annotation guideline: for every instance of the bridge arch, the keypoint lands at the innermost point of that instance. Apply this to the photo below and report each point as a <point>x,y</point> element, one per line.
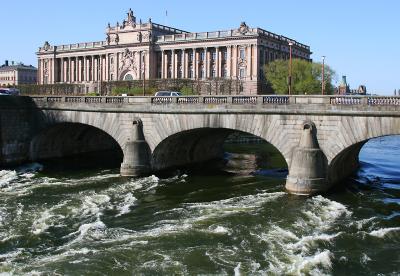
<point>353,133</point>
<point>267,127</point>
<point>69,139</point>
<point>192,146</point>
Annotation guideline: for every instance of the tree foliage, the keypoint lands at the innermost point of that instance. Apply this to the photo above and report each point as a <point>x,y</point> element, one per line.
<point>306,77</point>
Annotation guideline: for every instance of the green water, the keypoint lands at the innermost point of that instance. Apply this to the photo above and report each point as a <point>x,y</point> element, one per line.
<point>235,221</point>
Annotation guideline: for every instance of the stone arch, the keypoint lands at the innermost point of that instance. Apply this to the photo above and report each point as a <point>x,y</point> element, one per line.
<point>127,72</point>
<point>68,139</point>
<point>190,147</point>
<point>353,133</point>
<point>110,123</point>
<point>267,127</point>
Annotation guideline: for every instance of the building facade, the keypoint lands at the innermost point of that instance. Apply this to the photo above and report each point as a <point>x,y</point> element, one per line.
<point>12,75</point>
<point>134,51</point>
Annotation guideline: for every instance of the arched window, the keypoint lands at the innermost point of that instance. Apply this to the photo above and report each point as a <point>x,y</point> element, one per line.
<point>128,77</point>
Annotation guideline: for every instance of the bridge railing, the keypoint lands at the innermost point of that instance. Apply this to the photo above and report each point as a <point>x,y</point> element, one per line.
<point>229,100</point>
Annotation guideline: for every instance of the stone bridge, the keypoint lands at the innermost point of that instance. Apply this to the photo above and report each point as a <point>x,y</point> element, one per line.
<point>319,136</point>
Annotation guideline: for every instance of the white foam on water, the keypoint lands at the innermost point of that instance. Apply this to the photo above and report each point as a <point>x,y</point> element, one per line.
<point>40,225</point>
<point>364,259</point>
<point>219,230</point>
<point>311,264</point>
<point>296,249</point>
<point>381,233</point>
<point>6,177</point>
<point>94,204</point>
<point>128,202</point>
<point>237,270</point>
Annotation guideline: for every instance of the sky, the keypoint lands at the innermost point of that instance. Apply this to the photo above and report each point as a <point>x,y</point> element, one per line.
<point>360,39</point>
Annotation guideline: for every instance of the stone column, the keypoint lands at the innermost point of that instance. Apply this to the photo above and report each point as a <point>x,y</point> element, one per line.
<point>307,171</point>
<point>256,62</point>
<point>249,59</point>
<point>173,64</point>
<point>217,63</point>
<point>194,64</point>
<point>106,67</point>
<point>185,64</point>
<point>206,63</point>
<point>61,70</point>
<point>162,64</point>
<point>136,152</point>
<point>228,61</point>
<point>234,61</point>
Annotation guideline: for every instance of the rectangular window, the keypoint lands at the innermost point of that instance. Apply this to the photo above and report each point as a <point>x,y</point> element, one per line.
<point>202,56</point>
<point>242,54</point>
<point>241,73</point>
<point>214,55</point>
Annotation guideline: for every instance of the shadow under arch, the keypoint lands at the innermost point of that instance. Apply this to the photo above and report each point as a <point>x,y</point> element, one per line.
<point>194,146</point>
<point>70,139</point>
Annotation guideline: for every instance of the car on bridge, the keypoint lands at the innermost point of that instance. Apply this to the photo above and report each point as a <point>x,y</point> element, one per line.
<point>9,91</point>
<point>168,94</point>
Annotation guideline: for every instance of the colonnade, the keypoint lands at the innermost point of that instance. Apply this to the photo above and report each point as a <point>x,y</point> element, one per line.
<point>235,61</point>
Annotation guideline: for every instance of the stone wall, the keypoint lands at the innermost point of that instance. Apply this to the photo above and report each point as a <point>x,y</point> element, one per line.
<point>17,126</point>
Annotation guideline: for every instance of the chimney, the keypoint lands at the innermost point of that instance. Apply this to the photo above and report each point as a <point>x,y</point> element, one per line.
<point>6,63</point>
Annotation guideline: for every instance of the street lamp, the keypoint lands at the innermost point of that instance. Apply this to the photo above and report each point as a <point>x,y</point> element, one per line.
<point>290,68</point>
<point>323,75</point>
<point>144,72</point>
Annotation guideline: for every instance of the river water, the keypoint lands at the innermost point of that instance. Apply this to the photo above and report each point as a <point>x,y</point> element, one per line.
<point>235,221</point>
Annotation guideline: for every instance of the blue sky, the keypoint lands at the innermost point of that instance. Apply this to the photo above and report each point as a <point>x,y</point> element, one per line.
<point>360,39</point>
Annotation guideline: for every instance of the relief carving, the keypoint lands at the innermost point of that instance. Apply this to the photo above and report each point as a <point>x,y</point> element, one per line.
<point>128,62</point>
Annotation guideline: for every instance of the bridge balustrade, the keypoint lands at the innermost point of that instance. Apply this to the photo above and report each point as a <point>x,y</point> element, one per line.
<point>275,100</point>
<point>188,100</point>
<point>345,100</point>
<point>244,100</point>
<point>236,100</point>
<point>161,100</point>
<point>383,101</point>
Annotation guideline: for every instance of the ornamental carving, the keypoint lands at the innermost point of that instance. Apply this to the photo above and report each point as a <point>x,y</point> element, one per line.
<point>243,29</point>
<point>46,46</point>
<point>128,62</point>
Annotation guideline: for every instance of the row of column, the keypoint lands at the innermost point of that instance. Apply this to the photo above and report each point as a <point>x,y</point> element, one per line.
<point>82,69</point>
<point>225,67</point>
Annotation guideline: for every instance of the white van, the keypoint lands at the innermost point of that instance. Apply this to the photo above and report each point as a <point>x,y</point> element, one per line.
<point>168,94</point>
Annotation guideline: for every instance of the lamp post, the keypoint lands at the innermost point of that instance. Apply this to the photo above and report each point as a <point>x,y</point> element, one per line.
<point>323,76</point>
<point>290,68</point>
<point>144,72</point>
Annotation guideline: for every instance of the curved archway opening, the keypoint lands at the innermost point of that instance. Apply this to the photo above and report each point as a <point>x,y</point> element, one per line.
<point>368,161</point>
<point>209,149</point>
<point>75,146</point>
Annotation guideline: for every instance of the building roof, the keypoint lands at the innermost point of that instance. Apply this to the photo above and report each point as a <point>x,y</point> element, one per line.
<point>17,67</point>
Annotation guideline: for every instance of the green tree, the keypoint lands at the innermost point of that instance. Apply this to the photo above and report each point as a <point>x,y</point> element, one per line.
<point>306,77</point>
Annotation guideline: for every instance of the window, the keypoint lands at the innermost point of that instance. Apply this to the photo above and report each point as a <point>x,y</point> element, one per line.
<point>213,72</point>
<point>191,54</point>
<point>128,77</point>
<point>112,77</point>
<point>180,72</point>
<point>241,73</point>
<point>225,55</point>
<point>191,75</point>
<point>202,56</point>
<point>242,53</point>
<point>214,55</point>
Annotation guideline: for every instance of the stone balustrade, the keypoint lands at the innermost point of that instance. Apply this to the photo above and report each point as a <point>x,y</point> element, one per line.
<point>234,100</point>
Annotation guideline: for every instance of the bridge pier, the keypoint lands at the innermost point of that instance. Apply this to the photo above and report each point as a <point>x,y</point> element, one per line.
<point>307,171</point>
<point>136,153</point>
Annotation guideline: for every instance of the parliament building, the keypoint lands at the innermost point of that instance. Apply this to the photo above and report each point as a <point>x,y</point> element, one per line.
<point>135,50</point>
